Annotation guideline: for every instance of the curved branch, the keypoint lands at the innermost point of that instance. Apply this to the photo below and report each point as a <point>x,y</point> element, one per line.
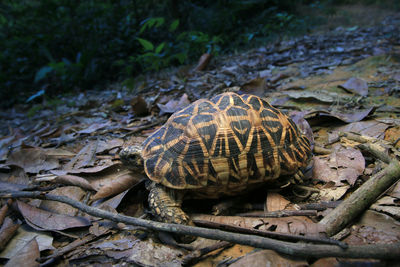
<point>381,251</point>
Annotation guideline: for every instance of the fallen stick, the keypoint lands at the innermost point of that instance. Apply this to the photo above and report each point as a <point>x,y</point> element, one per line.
<point>365,195</point>
<point>376,251</point>
<point>275,235</point>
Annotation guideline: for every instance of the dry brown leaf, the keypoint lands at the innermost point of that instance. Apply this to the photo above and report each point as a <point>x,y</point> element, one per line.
<point>326,262</point>
<point>203,62</point>
<point>101,165</point>
<point>94,127</point>
<point>356,85</point>
<point>344,164</point>
<point>345,115</point>
<point>74,180</point>
<point>24,235</point>
<point>392,135</point>
<point>333,193</point>
<point>121,183</point>
<point>174,105</point>
<point>256,87</point>
<point>7,231</point>
<point>267,258</point>
<point>85,157</point>
<point>370,128</point>
<point>374,227</point>
<point>108,176</point>
<point>107,145</point>
<point>32,160</point>
<point>276,202</point>
<point>14,177</point>
<point>73,192</point>
<point>44,220</point>
<point>26,256</point>
<point>4,210</point>
<point>290,225</point>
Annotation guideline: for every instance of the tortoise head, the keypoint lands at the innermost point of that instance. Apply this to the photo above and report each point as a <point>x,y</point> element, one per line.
<point>131,156</point>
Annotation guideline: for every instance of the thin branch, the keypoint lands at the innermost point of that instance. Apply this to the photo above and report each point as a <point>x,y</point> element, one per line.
<point>278,213</point>
<point>361,199</point>
<point>276,235</point>
<point>376,251</point>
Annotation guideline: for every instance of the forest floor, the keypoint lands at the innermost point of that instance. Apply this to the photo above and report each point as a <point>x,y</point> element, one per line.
<point>338,80</point>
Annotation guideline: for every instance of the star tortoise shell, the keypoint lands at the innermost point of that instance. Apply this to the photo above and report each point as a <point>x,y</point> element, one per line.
<point>225,145</point>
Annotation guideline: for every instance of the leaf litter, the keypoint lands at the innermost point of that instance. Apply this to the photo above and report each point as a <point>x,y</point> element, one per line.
<point>345,80</point>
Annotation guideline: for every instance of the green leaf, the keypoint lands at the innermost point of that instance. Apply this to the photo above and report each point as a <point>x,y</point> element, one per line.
<point>174,25</point>
<point>41,74</point>
<point>159,48</point>
<point>147,45</point>
<point>151,22</point>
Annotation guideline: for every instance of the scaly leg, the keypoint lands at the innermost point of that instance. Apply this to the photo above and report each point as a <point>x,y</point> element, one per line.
<point>165,204</point>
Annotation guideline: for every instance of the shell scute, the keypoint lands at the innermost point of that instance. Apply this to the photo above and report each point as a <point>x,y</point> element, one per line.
<point>222,145</point>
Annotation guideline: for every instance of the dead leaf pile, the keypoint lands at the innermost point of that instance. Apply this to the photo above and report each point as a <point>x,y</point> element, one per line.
<point>346,80</point>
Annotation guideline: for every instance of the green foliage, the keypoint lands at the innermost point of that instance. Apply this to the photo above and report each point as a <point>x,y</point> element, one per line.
<point>60,45</point>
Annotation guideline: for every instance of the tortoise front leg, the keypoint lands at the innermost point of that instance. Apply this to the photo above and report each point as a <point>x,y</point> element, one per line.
<point>166,205</point>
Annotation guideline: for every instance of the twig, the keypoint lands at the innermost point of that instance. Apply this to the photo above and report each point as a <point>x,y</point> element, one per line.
<point>195,256</point>
<point>361,199</point>
<point>377,151</point>
<point>281,236</point>
<point>319,206</point>
<point>376,251</point>
<point>321,150</point>
<point>74,244</point>
<point>4,210</point>
<point>278,213</point>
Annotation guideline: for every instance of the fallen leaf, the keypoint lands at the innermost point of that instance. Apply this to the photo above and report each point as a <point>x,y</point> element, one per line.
<point>326,262</point>
<point>107,145</point>
<point>121,183</point>
<point>73,180</point>
<point>267,258</point>
<point>393,135</point>
<point>348,115</point>
<point>27,256</point>
<point>174,105</point>
<point>73,192</point>
<point>370,128</point>
<point>24,234</point>
<point>356,86</point>
<point>94,127</point>
<point>299,225</point>
<point>7,231</point>
<point>276,202</point>
<point>344,164</point>
<point>255,86</point>
<point>333,193</point>
<point>384,228</point>
<point>326,97</point>
<point>203,62</point>
<point>15,176</point>
<point>32,160</point>
<point>43,220</point>
<point>85,157</point>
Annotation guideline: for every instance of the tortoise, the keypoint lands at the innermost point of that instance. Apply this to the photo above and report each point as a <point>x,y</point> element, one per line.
<point>211,148</point>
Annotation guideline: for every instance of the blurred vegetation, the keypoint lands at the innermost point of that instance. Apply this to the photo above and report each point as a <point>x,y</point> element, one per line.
<point>49,47</point>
